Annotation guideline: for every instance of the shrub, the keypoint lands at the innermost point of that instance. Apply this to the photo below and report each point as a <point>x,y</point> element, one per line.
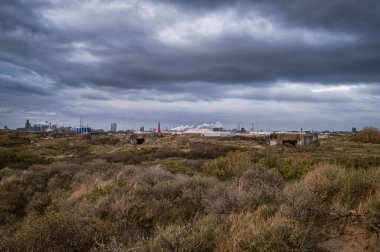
<point>59,232</point>
<point>165,197</point>
<point>372,216</point>
<point>258,186</point>
<point>13,202</point>
<point>324,180</point>
<point>105,140</point>
<point>369,135</point>
<point>279,238</point>
<point>141,197</point>
<point>220,199</point>
<point>291,166</point>
<point>299,203</point>
<point>21,160</point>
<point>357,162</point>
<point>314,194</point>
<point>329,188</point>
<point>266,211</point>
<point>137,157</point>
<point>226,167</point>
<point>249,190</point>
<point>191,237</point>
<point>208,151</point>
<point>6,172</point>
<point>264,183</point>
<point>38,203</point>
<point>14,139</point>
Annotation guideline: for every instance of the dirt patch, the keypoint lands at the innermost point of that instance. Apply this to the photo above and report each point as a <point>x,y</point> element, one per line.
<point>353,238</point>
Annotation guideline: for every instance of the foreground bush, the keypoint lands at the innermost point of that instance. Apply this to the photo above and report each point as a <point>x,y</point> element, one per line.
<point>330,189</point>
<point>13,201</point>
<point>183,238</point>
<point>279,238</point>
<point>58,232</point>
<point>251,189</point>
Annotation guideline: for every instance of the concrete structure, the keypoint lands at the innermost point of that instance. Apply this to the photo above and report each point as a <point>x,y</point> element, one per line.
<point>137,139</point>
<point>159,127</point>
<point>293,138</point>
<point>113,127</point>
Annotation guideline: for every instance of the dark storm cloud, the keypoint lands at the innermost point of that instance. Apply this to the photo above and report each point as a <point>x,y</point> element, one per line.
<point>173,50</point>
<point>336,14</point>
<point>132,58</point>
<point>18,14</point>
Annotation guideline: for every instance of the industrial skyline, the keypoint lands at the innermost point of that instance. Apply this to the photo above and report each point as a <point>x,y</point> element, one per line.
<point>280,64</point>
<point>85,127</point>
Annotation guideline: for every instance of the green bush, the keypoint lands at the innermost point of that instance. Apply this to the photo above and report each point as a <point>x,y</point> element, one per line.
<point>226,167</point>
<point>20,160</point>
<point>14,139</point>
<point>291,166</point>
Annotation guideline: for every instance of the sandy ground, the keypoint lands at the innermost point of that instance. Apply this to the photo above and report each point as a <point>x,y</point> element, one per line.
<point>352,238</point>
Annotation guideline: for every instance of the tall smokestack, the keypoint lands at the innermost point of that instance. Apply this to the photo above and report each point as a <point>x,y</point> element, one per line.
<point>158,127</point>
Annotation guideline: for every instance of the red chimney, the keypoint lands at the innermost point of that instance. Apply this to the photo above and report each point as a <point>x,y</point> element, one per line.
<point>158,128</point>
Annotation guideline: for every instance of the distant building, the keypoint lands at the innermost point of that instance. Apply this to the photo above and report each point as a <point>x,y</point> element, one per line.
<point>218,134</point>
<point>27,124</point>
<point>113,127</point>
<point>353,129</point>
<point>293,138</point>
<point>82,130</point>
<point>142,129</point>
<point>260,133</point>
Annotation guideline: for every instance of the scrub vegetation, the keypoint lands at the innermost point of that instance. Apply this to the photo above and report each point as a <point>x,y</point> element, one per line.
<point>187,193</point>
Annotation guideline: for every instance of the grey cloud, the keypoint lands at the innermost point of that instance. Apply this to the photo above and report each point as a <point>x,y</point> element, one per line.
<point>95,97</point>
<point>119,52</point>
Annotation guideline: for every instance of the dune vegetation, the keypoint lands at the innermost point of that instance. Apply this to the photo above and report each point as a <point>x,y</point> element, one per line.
<point>181,193</point>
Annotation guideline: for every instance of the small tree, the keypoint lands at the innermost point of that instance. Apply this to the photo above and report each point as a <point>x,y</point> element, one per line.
<point>369,135</point>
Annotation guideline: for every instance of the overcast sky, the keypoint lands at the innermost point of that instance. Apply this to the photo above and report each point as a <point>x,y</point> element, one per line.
<point>280,64</point>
